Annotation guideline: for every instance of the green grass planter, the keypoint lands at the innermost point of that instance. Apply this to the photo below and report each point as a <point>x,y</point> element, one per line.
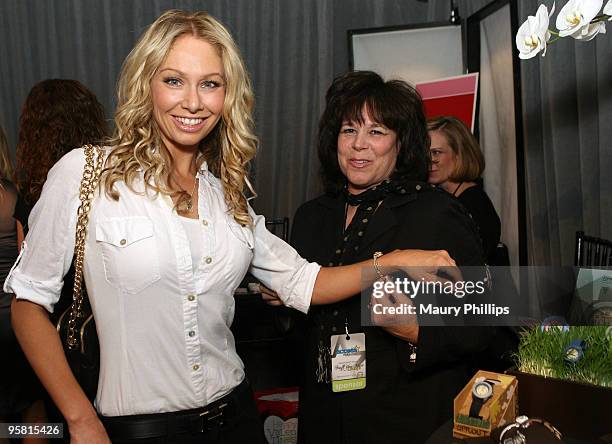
<point>577,398</point>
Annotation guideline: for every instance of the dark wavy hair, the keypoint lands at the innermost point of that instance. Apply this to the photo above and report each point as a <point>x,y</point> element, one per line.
<point>394,103</point>
<point>58,115</point>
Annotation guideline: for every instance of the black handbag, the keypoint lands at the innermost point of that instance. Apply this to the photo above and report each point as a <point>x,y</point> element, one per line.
<point>76,325</point>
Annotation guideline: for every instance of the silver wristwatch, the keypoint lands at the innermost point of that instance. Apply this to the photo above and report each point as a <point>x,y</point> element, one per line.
<point>522,423</point>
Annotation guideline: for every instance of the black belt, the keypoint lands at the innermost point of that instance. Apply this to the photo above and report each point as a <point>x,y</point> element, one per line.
<point>197,420</point>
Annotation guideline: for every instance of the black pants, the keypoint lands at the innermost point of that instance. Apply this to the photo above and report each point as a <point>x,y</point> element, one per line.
<point>233,419</point>
<point>19,386</point>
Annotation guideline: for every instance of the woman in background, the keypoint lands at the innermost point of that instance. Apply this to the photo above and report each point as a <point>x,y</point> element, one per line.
<point>57,116</point>
<point>456,166</point>
<point>20,391</point>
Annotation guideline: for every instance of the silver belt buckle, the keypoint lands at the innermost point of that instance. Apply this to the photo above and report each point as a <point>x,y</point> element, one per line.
<point>214,414</point>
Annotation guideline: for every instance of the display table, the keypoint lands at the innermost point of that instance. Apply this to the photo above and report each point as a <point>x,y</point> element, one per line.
<point>444,435</point>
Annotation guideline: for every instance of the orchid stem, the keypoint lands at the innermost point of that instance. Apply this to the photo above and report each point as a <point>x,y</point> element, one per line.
<point>600,18</point>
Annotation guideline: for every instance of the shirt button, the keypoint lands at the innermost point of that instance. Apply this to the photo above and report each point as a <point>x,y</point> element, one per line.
<point>123,241</point>
<point>191,334</point>
<point>205,222</point>
<point>196,367</point>
<point>191,297</point>
<point>208,260</point>
<point>335,313</point>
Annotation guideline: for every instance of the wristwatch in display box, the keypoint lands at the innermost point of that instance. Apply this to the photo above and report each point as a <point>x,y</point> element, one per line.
<point>488,401</point>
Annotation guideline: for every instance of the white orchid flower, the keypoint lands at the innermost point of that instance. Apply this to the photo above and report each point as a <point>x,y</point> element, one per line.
<point>589,32</point>
<point>533,35</point>
<point>575,17</point>
<point>608,9</point>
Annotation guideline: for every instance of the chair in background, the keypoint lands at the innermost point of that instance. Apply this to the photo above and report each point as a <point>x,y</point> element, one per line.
<point>279,227</point>
<point>266,336</point>
<point>592,251</point>
<point>501,257</point>
<point>592,302</point>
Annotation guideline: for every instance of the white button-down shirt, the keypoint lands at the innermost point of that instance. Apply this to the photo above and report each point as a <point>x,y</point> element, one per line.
<point>164,328</point>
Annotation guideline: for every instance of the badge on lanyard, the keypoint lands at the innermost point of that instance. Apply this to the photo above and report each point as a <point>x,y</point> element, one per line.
<point>348,362</point>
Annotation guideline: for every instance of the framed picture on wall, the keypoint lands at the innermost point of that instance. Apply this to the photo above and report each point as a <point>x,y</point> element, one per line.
<point>455,96</point>
<point>414,53</point>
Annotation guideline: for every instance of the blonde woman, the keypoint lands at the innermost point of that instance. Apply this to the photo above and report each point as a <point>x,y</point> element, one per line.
<point>170,238</point>
<point>456,166</point>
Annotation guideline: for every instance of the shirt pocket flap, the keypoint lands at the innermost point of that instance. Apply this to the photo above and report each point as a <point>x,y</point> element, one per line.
<point>244,234</point>
<point>124,231</point>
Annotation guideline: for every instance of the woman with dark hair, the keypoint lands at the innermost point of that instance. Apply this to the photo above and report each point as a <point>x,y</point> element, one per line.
<point>457,164</point>
<point>57,116</point>
<point>373,147</point>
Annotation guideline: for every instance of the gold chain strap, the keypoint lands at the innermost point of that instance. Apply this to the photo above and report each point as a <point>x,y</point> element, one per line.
<point>89,183</point>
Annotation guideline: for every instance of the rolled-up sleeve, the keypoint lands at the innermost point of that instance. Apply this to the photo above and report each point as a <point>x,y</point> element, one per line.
<point>279,267</point>
<point>38,273</point>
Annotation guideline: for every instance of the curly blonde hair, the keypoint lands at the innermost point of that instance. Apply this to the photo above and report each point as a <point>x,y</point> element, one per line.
<point>227,149</point>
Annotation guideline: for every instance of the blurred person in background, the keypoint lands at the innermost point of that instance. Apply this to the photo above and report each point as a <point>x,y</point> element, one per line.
<point>457,164</point>
<point>20,392</point>
<point>58,115</point>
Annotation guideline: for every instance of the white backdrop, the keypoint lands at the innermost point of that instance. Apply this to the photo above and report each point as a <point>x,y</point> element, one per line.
<point>497,126</point>
<point>413,55</point>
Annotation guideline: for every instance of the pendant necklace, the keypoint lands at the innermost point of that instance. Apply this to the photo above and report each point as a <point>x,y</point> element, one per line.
<point>457,189</point>
<point>189,202</point>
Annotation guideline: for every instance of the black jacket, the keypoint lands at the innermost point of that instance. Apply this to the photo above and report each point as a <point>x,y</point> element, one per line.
<point>402,402</point>
<point>483,212</point>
